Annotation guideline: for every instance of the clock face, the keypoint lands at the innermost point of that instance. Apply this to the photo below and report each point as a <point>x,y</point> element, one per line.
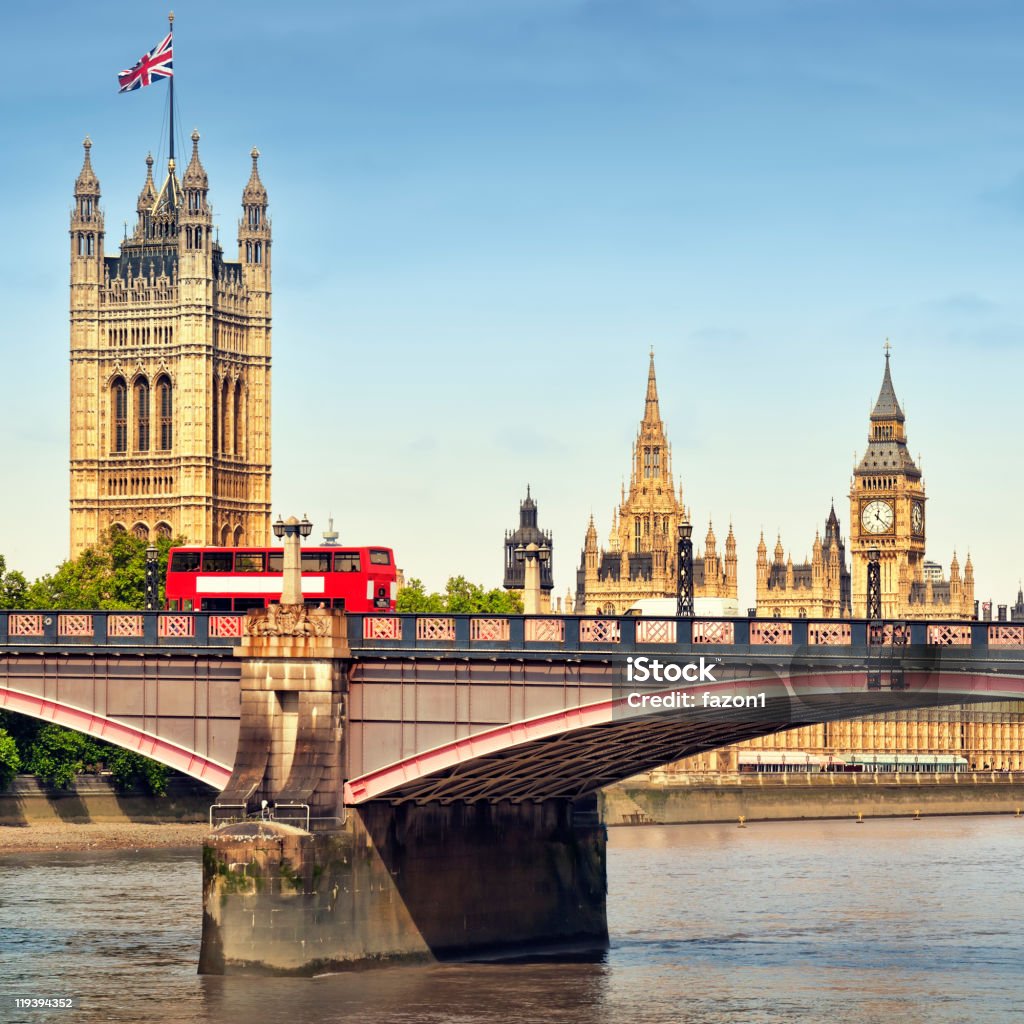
<point>877,517</point>
<point>917,517</point>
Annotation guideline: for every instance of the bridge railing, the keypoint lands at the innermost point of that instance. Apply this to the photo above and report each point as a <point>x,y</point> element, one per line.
<point>120,628</point>
<point>625,634</point>
<point>537,633</point>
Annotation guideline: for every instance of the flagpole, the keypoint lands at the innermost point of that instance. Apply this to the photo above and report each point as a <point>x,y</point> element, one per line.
<point>170,20</point>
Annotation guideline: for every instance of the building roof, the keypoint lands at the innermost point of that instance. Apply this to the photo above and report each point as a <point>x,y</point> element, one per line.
<point>887,407</point>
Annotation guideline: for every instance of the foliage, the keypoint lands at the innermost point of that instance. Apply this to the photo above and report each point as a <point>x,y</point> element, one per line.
<point>10,760</point>
<point>110,576</point>
<point>459,597</point>
<point>130,770</point>
<point>58,755</point>
<point>13,586</point>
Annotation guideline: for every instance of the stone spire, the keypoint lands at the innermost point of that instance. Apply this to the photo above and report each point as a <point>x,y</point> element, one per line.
<point>87,184</point>
<point>254,192</point>
<point>887,407</point>
<point>652,412</point>
<point>195,174</point>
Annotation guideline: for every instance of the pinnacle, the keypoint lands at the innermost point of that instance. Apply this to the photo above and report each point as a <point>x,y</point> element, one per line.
<point>887,407</point>
<point>87,183</point>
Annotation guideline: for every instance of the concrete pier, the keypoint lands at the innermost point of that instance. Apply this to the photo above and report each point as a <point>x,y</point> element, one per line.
<point>404,884</point>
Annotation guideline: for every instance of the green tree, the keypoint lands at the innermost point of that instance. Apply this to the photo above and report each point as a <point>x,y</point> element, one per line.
<point>13,586</point>
<point>57,755</point>
<point>460,597</point>
<point>10,759</point>
<point>110,576</point>
<point>130,770</point>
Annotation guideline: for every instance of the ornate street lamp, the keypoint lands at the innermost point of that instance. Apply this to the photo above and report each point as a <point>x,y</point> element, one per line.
<point>152,579</point>
<point>874,609</point>
<point>684,604</point>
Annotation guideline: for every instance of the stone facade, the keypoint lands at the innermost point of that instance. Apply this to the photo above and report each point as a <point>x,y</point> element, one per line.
<point>170,366</point>
<point>818,589</point>
<point>641,558</point>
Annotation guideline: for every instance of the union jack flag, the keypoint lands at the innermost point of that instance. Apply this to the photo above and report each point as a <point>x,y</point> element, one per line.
<point>153,65</point>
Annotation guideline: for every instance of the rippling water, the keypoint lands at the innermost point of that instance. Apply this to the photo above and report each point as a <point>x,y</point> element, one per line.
<point>889,921</point>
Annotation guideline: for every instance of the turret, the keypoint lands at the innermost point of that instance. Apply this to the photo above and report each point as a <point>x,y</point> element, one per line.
<point>86,235</point>
<point>195,218</point>
<point>254,230</point>
<point>730,558</point>
<point>762,562</point>
<point>780,554</point>
<point>590,548</point>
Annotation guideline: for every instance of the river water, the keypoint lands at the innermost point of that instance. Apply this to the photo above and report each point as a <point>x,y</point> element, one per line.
<point>894,922</point>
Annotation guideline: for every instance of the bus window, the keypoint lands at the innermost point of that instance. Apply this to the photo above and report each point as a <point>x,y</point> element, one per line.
<point>250,561</point>
<point>216,561</point>
<point>346,561</point>
<point>316,561</point>
<point>338,603</point>
<point>185,561</point>
<point>216,604</point>
<point>243,604</point>
<point>275,561</point>
<point>380,557</point>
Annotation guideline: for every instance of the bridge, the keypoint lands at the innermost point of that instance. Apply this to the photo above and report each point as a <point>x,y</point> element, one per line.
<point>468,707</point>
<point>456,754</point>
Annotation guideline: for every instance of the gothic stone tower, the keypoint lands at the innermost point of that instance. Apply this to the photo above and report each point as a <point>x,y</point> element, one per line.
<point>170,367</point>
<point>887,513</point>
<point>640,561</point>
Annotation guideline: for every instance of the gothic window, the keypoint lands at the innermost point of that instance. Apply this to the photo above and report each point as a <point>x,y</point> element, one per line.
<point>199,238</point>
<point>248,252</point>
<point>216,417</point>
<point>647,463</point>
<point>89,243</point>
<point>657,462</point>
<point>225,408</point>
<point>119,415</point>
<point>236,418</point>
<point>165,396</point>
<point>141,530</point>
<point>257,251</point>
<point>142,415</point>
<point>163,530</point>
<point>636,535</point>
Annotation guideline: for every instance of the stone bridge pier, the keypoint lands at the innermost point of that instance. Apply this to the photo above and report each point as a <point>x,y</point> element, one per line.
<point>308,884</point>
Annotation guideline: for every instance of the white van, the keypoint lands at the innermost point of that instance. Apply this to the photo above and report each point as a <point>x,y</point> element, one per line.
<point>703,607</point>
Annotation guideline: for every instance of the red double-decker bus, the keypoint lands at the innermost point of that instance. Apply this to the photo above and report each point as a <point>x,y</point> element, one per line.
<point>237,579</point>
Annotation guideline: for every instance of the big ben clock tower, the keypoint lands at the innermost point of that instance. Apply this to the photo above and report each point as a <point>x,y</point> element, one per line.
<point>887,508</point>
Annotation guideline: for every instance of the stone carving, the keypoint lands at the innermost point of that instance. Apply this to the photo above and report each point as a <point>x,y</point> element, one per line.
<point>289,620</point>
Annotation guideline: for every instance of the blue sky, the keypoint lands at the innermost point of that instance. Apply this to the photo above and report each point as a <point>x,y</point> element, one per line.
<point>486,213</point>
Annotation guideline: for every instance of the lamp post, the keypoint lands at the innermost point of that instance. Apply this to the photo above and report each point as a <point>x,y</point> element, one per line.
<point>152,579</point>
<point>292,530</point>
<point>533,558</point>
<point>684,603</point>
<point>874,609</point>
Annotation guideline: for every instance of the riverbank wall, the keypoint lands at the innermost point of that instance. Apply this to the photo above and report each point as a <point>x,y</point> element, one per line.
<point>697,798</point>
<point>95,798</point>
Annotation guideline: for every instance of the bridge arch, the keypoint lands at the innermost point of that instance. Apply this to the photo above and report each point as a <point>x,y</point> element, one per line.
<point>120,734</point>
<point>572,752</point>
